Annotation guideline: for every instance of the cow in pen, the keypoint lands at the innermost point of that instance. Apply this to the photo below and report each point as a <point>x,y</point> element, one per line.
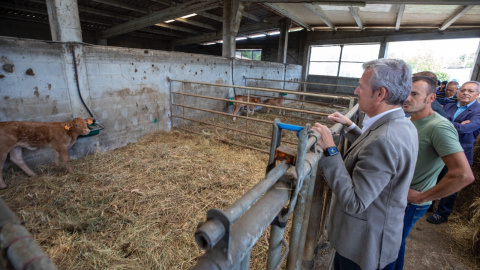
<point>278,101</point>
<point>237,106</point>
<point>60,136</point>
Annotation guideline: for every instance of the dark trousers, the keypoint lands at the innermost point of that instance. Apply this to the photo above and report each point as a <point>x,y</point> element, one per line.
<point>342,263</point>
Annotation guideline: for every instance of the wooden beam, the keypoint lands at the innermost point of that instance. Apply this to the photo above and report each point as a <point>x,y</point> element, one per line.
<point>160,16</point>
<point>177,28</point>
<point>358,20</point>
<point>253,28</point>
<point>251,16</point>
<point>363,2</point>
<point>122,5</point>
<point>401,9</point>
<point>289,15</point>
<point>210,16</point>
<point>199,24</point>
<point>319,13</point>
<point>455,17</point>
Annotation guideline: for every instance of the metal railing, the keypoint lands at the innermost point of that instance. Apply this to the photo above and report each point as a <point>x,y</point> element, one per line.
<point>183,106</point>
<point>18,246</point>
<point>288,188</point>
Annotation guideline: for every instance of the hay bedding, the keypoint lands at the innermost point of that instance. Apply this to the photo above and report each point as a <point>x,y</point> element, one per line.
<point>137,207</point>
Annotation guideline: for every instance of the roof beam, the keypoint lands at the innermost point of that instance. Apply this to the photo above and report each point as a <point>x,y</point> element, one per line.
<point>210,16</point>
<point>358,20</point>
<point>160,16</point>
<point>254,28</point>
<point>121,5</point>
<point>401,9</point>
<point>251,16</point>
<point>177,28</point>
<point>319,13</point>
<point>199,24</point>
<point>363,2</point>
<point>455,17</point>
<point>289,15</point>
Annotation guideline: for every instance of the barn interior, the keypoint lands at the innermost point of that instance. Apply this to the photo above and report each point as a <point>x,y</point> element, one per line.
<point>149,66</point>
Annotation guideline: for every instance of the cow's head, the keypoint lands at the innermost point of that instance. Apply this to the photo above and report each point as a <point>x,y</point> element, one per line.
<point>79,125</point>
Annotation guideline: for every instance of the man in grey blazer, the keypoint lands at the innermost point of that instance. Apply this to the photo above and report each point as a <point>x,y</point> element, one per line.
<point>371,184</point>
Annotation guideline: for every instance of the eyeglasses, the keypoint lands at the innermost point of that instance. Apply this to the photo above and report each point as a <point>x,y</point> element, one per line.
<point>470,91</point>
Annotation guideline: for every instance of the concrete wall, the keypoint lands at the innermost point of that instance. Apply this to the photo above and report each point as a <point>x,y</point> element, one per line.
<point>127,90</point>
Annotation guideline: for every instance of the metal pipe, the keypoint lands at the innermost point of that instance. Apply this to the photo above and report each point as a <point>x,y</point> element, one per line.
<point>222,113</point>
<point>21,249</point>
<point>266,89</point>
<point>212,230</point>
<point>311,83</point>
<point>306,218</point>
<point>245,264</point>
<point>251,103</point>
<point>314,223</point>
<point>247,230</point>
<point>275,246</point>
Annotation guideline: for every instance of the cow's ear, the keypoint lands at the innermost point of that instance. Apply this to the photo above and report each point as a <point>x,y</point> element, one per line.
<point>67,127</point>
<point>89,120</point>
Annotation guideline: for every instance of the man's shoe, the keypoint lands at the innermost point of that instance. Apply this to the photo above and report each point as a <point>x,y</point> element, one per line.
<point>437,219</point>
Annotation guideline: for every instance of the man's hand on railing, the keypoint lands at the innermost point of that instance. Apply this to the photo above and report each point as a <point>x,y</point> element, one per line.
<point>326,139</point>
<point>340,118</point>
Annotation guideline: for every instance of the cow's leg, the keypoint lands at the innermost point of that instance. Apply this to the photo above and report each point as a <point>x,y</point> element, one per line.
<point>268,110</point>
<point>16,157</point>
<point>253,108</point>
<point>57,158</point>
<point>236,108</point>
<point>3,157</point>
<point>62,151</point>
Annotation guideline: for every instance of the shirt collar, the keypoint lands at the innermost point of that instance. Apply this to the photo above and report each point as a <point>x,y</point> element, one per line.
<point>369,122</point>
<point>466,106</point>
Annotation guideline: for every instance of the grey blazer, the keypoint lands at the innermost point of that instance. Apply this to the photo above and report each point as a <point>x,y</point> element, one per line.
<point>370,191</point>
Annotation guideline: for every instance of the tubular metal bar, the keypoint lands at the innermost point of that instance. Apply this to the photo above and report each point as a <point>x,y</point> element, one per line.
<point>275,246</point>
<point>232,129</point>
<point>265,89</point>
<point>300,82</point>
<point>18,244</point>
<point>251,103</point>
<point>338,127</point>
<point>245,265</point>
<point>222,113</point>
<point>211,232</point>
<point>227,141</point>
<point>314,222</point>
<point>247,230</point>
<point>284,256</point>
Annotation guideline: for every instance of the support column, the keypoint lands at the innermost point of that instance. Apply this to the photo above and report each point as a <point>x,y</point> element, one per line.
<point>382,53</point>
<point>283,41</point>
<point>64,20</point>
<point>475,75</point>
<point>232,15</point>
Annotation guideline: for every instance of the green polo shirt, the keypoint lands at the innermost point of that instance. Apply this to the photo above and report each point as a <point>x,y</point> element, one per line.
<point>437,137</point>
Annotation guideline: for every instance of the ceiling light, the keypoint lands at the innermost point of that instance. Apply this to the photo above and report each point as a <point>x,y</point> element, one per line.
<point>256,36</point>
<point>219,41</point>
<point>273,33</point>
<point>295,29</point>
<point>189,15</point>
<point>169,21</point>
<point>209,43</point>
<point>240,38</point>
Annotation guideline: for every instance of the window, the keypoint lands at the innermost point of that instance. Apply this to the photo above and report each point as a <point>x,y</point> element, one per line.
<point>341,60</point>
<point>255,54</point>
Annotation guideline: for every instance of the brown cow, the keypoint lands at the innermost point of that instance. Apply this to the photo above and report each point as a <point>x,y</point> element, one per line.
<point>60,136</point>
<point>278,101</point>
<point>237,106</point>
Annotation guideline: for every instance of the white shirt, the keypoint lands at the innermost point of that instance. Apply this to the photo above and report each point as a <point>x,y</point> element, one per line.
<point>368,122</point>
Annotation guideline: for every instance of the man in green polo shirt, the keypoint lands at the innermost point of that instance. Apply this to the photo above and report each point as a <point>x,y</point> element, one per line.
<point>438,146</point>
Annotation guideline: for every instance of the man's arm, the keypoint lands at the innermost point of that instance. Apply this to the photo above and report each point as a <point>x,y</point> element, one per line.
<point>459,176</point>
<point>472,125</point>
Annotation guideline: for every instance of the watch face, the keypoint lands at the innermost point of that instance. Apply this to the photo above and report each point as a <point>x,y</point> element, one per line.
<point>332,150</point>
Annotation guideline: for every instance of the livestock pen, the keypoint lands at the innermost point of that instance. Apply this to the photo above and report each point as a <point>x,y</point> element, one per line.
<point>138,206</point>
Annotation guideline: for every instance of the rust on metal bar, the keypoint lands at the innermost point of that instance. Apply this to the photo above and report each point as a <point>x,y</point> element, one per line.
<point>254,104</point>
<point>263,89</point>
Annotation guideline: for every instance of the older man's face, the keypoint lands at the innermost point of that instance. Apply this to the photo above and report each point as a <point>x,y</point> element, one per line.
<point>451,90</point>
<point>467,93</point>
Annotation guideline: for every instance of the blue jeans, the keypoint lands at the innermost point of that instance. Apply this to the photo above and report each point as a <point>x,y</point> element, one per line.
<point>342,263</point>
<point>412,214</point>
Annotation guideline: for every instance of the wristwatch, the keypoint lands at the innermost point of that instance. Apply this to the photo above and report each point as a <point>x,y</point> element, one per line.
<point>331,151</point>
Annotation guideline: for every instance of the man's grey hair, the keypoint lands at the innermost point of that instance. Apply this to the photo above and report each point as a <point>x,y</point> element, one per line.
<point>475,82</point>
<point>393,74</point>
<point>457,85</point>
